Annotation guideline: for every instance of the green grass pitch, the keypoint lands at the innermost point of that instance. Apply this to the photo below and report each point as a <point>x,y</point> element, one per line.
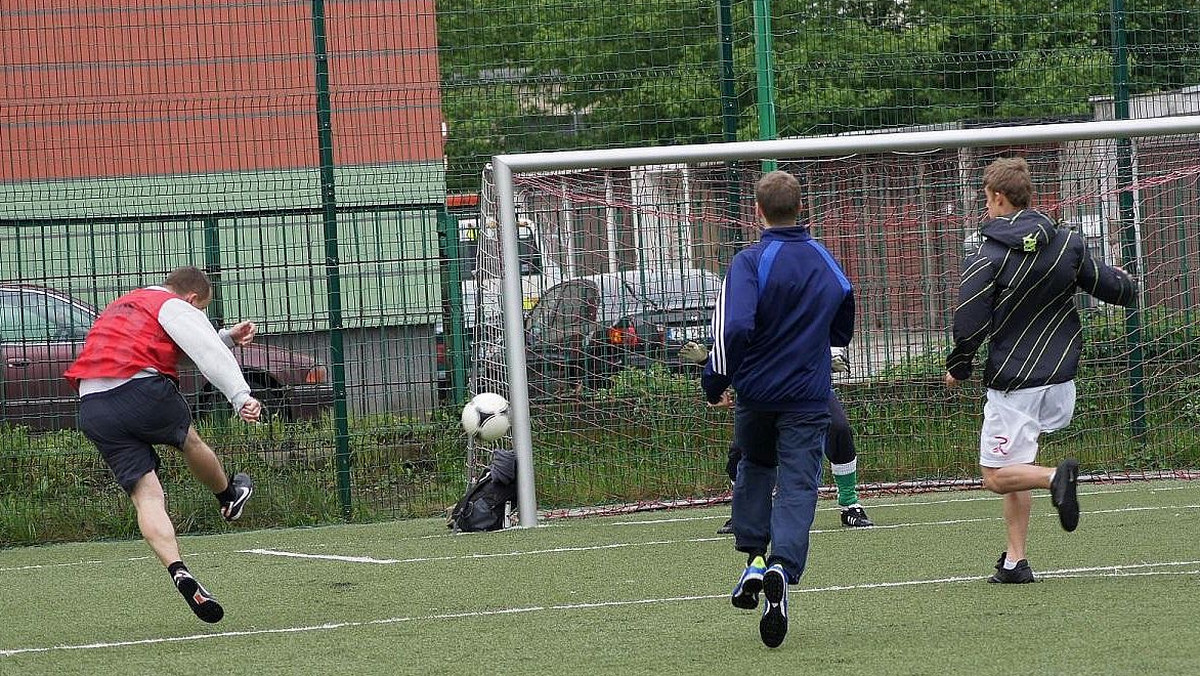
<point>643,593</point>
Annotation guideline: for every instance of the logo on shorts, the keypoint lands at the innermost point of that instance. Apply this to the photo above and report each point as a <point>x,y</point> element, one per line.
<point>999,449</point>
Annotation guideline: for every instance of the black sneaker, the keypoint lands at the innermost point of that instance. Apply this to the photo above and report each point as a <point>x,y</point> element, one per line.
<point>1062,493</point>
<point>243,488</point>
<point>1022,574</point>
<point>855,516</point>
<point>772,628</point>
<point>727,529</point>
<point>198,599</point>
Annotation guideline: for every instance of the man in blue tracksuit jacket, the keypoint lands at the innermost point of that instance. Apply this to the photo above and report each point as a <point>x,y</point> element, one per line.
<point>784,302</point>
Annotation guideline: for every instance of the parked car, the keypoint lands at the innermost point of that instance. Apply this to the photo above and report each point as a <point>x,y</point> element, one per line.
<point>586,329</point>
<point>42,331</point>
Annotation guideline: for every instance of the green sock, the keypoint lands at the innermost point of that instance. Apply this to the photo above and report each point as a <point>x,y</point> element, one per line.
<point>846,485</point>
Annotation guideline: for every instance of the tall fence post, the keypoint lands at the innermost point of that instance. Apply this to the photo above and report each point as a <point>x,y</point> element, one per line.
<point>729,124</point>
<point>212,268</point>
<point>1130,251</point>
<point>337,355</point>
<point>765,67</point>
<point>453,326</point>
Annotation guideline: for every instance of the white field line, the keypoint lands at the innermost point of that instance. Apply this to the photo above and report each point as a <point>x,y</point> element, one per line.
<point>564,550</point>
<point>1194,571</point>
<point>872,489</point>
<point>723,538</point>
<point>89,562</point>
<point>880,505</point>
<point>657,543</point>
<point>102,562</point>
<point>468,557</point>
<point>326,557</point>
<point>638,522</point>
<point>567,523</point>
<point>1137,569</point>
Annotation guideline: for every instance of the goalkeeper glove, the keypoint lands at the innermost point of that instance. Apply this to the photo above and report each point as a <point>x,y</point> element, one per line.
<point>840,362</point>
<point>693,352</point>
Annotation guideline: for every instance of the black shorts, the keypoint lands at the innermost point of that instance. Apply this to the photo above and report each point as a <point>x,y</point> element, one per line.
<point>839,440</point>
<point>125,423</point>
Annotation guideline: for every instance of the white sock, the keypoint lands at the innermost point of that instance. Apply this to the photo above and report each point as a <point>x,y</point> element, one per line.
<point>1009,564</point>
<point>844,468</point>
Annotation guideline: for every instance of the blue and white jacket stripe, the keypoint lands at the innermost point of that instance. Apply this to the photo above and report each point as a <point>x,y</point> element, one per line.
<point>784,302</point>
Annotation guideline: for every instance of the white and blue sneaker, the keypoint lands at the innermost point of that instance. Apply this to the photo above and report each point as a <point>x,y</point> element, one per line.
<point>773,625</point>
<point>745,593</point>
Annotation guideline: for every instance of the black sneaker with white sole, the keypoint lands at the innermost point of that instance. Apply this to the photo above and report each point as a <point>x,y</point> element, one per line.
<point>198,599</point>
<point>727,529</point>
<point>243,488</point>
<point>772,628</point>
<point>1063,493</point>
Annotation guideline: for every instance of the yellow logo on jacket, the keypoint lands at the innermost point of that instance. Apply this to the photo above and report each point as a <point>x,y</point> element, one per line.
<point>1029,242</point>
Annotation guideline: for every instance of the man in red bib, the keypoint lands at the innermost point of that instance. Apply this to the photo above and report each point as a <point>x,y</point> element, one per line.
<point>127,375</point>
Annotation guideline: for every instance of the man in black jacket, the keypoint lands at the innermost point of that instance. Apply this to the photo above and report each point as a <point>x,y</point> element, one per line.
<point>1018,293</point>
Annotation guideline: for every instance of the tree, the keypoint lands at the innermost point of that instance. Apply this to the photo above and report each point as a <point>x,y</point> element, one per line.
<point>526,75</point>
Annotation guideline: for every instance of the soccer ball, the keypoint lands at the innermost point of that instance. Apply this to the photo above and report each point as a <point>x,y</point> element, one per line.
<point>485,417</point>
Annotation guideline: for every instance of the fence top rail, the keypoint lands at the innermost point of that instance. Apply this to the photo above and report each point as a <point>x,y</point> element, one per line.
<point>846,144</point>
<point>218,215</point>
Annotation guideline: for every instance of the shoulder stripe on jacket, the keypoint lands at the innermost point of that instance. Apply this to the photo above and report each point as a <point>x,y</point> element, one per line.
<point>837,269</point>
<point>765,263</point>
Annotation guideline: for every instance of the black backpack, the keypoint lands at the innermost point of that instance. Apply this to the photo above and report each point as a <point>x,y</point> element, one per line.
<point>484,505</point>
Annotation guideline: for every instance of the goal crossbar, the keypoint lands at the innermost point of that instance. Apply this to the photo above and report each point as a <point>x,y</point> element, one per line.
<point>850,143</point>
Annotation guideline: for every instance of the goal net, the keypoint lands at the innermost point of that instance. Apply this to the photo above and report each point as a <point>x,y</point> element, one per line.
<point>620,266</point>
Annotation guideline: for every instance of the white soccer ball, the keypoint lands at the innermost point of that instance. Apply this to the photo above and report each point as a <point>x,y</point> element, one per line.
<point>485,417</point>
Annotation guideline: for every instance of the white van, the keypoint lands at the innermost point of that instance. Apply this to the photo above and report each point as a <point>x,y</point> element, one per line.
<point>480,252</point>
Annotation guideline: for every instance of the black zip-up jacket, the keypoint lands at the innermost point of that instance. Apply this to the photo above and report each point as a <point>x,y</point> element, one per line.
<point>1018,293</point>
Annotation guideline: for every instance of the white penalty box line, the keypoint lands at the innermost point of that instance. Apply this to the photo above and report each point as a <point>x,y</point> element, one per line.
<point>631,522</point>
<point>1120,570</point>
<point>860,532</point>
<point>902,504</point>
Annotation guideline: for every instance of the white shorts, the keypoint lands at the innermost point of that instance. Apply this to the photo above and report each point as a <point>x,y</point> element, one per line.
<point>1013,420</point>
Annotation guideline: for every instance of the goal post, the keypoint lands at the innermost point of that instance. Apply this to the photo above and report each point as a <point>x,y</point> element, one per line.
<point>1088,204</point>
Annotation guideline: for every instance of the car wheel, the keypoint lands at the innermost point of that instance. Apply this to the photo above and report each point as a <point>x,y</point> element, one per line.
<point>210,403</point>
<point>272,396</point>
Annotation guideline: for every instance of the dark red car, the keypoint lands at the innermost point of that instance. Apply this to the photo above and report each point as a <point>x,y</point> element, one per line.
<point>42,331</point>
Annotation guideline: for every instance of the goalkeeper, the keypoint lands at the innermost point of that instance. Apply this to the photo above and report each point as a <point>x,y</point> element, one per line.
<point>839,445</point>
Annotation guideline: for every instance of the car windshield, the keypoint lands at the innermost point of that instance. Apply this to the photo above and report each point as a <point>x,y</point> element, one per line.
<point>658,290</point>
<point>682,291</point>
<point>466,257</point>
<point>31,315</point>
<point>527,250</point>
